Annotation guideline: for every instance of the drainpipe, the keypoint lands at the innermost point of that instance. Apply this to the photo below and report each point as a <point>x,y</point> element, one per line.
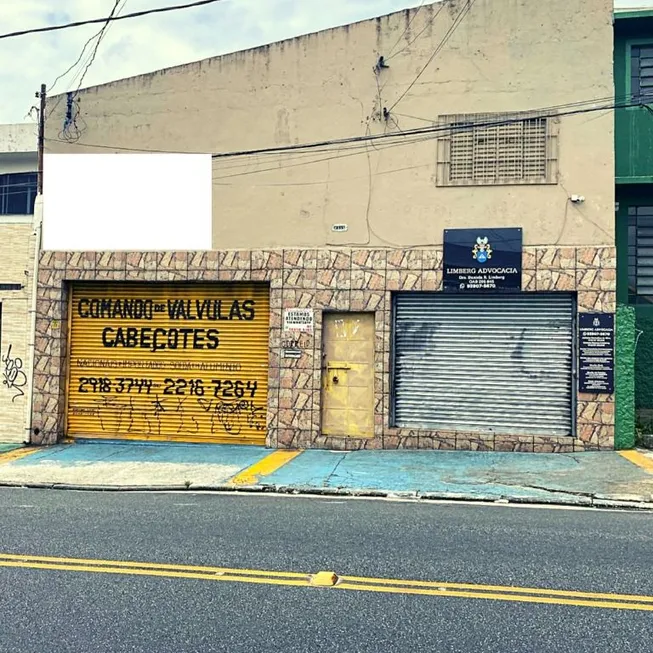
<point>31,347</point>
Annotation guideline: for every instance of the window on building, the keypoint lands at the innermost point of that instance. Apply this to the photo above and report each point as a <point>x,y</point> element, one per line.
<point>481,149</point>
<point>641,73</point>
<point>17,193</point>
<point>640,254</point>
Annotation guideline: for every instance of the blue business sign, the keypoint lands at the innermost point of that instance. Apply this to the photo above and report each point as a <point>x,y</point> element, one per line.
<point>596,352</point>
<point>482,260</point>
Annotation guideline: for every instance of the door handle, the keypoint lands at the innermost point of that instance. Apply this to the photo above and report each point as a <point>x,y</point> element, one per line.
<point>338,367</point>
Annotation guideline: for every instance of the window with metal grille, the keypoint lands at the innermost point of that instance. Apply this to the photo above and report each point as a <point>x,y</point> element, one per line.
<point>640,254</point>
<point>17,193</point>
<point>641,72</point>
<point>488,148</point>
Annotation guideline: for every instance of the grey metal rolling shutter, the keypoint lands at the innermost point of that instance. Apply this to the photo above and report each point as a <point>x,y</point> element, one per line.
<point>500,363</point>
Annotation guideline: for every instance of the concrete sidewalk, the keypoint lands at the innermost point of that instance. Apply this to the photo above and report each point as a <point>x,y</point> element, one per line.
<point>592,478</point>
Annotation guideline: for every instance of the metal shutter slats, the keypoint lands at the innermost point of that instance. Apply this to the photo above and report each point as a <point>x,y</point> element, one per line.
<point>500,363</point>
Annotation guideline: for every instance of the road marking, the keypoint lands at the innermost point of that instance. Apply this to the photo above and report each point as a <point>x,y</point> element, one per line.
<point>252,475</point>
<point>16,454</point>
<point>347,583</point>
<point>639,459</point>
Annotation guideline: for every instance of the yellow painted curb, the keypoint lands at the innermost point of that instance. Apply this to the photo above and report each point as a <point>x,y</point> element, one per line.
<point>639,459</point>
<point>16,454</point>
<point>251,475</point>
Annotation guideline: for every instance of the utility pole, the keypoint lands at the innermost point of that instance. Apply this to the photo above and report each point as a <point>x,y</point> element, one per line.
<point>41,142</point>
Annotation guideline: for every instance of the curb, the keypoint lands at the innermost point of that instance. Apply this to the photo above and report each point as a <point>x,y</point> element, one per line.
<point>620,502</point>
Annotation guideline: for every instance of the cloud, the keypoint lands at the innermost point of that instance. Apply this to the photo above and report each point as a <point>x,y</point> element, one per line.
<point>142,45</point>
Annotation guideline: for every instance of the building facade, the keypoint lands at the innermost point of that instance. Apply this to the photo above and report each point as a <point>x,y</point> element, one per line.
<point>17,196</point>
<point>634,195</point>
<point>426,274</point>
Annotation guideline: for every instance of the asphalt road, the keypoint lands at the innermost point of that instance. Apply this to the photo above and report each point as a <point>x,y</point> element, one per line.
<point>43,610</point>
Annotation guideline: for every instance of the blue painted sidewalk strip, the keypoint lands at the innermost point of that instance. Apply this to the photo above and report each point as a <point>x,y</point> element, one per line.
<point>478,473</point>
<point>455,473</point>
<point>197,454</point>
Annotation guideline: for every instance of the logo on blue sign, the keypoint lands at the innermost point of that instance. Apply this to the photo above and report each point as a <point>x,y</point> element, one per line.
<point>482,251</point>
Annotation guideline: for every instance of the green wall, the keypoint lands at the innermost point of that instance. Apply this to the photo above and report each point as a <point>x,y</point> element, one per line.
<point>644,366</point>
<point>634,125</point>
<point>632,195</point>
<point>624,378</point>
<point>634,186</point>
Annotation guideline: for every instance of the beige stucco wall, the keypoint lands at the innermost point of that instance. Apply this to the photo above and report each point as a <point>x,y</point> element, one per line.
<point>16,266</point>
<point>506,55</point>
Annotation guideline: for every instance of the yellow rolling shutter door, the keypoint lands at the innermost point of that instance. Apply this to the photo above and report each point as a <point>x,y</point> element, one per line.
<point>179,362</point>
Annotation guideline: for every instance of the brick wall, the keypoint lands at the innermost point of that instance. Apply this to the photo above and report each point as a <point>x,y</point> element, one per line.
<point>16,265</point>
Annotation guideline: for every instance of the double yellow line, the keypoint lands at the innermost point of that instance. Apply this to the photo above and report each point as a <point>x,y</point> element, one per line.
<point>332,581</point>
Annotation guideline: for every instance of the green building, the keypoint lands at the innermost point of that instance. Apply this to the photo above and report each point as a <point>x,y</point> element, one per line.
<point>633,78</point>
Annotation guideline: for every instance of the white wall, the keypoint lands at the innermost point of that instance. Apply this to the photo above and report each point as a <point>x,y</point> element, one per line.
<point>118,202</point>
<point>18,138</point>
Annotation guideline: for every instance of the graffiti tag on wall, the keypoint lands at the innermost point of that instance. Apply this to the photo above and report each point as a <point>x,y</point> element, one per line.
<point>13,376</point>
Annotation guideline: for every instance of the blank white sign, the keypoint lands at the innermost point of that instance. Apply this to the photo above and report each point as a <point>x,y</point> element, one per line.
<point>134,202</point>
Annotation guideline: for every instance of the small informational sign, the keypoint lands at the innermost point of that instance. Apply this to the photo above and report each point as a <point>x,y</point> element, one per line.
<point>292,352</point>
<point>298,319</point>
<point>596,352</point>
<point>482,260</point>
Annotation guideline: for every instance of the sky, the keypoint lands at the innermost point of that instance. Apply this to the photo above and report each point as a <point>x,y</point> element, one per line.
<point>141,45</point>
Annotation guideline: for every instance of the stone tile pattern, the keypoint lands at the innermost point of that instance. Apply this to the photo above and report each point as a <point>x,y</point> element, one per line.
<point>325,280</point>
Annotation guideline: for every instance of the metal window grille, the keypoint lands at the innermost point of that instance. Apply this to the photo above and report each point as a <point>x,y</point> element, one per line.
<point>489,149</point>
<point>17,193</point>
<point>640,254</point>
<point>641,73</point>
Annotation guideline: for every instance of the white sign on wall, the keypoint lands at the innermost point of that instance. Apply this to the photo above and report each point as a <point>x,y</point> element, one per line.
<point>298,319</point>
<point>127,202</point>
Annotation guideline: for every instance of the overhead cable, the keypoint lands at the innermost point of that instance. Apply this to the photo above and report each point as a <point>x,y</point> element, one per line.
<point>92,21</point>
<point>459,19</point>
<point>410,22</point>
<point>100,35</point>
<point>428,24</point>
<point>452,128</point>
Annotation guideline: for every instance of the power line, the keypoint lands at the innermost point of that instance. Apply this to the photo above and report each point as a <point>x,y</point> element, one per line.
<point>546,112</point>
<point>362,149</point>
<point>410,22</point>
<point>420,135</point>
<point>459,19</point>
<point>81,54</point>
<point>101,34</point>
<point>428,24</point>
<point>451,128</point>
<point>614,99</point>
<point>92,21</point>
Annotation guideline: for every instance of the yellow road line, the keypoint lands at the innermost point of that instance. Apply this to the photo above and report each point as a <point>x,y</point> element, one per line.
<point>16,454</point>
<point>639,459</point>
<point>490,588</point>
<point>93,562</point>
<point>158,572</point>
<point>496,596</point>
<point>251,475</point>
<point>351,583</point>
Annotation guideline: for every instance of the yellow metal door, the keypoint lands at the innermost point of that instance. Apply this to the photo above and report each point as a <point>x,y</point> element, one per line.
<point>348,375</point>
<point>177,362</point>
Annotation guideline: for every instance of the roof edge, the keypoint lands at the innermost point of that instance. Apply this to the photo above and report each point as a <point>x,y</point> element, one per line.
<point>412,7</point>
<point>633,13</point>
